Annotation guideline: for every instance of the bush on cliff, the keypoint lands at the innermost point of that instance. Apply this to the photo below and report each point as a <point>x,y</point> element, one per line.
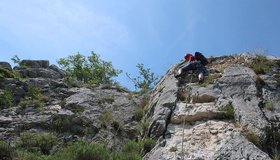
<point>91,69</point>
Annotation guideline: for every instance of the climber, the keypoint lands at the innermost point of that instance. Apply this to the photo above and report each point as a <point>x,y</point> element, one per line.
<point>195,63</point>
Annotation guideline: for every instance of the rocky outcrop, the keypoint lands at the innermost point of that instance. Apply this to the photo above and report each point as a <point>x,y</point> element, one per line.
<point>102,114</point>
<point>230,118</point>
<point>6,65</point>
<point>35,63</point>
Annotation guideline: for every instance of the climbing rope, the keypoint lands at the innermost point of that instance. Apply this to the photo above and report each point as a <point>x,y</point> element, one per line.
<point>183,154</point>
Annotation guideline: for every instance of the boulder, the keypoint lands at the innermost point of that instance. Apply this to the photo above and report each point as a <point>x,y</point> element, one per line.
<point>35,63</point>
<point>6,65</point>
<point>40,73</point>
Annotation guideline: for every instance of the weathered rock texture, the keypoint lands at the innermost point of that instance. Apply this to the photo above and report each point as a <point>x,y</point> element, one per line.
<point>74,113</point>
<point>189,121</point>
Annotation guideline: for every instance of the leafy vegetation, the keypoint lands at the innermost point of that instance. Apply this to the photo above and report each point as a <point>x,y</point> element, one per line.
<point>269,106</point>
<point>131,150</point>
<point>6,99</point>
<point>6,151</point>
<point>105,119</point>
<point>173,149</point>
<point>260,64</point>
<point>37,142</point>
<point>146,79</point>
<point>252,137</point>
<point>5,73</point>
<point>228,111</point>
<point>61,124</point>
<point>91,69</point>
<point>34,98</point>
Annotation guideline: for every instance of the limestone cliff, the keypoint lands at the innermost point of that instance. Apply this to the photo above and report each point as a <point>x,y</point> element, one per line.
<point>233,115</point>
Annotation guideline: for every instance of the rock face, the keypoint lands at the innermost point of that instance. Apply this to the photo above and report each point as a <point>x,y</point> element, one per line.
<point>5,65</point>
<point>35,63</point>
<point>103,114</point>
<point>234,114</point>
<point>230,118</point>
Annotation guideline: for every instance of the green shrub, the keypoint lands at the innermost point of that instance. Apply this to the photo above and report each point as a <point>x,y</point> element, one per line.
<point>142,108</point>
<point>148,145</point>
<point>84,151</point>
<point>173,149</point>
<point>138,114</point>
<point>105,118</point>
<point>146,79</point>
<point>34,98</point>
<point>7,98</point>
<point>61,124</point>
<point>6,151</point>
<point>126,156</point>
<point>252,137</point>
<point>77,109</point>
<point>26,155</point>
<point>37,142</point>
<point>5,73</point>
<point>228,111</point>
<point>269,106</point>
<point>34,93</point>
<point>276,157</point>
<point>117,126</point>
<point>143,126</point>
<point>91,69</point>
<point>260,64</point>
<point>132,147</point>
<point>108,100</point>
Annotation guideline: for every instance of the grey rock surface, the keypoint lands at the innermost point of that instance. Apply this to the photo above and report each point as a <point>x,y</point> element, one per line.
<point>199,129</point>
<point>6,65</point>
<point>35,63</point>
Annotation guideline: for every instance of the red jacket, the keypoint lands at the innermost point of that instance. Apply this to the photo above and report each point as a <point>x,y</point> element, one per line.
<point>189,57</point>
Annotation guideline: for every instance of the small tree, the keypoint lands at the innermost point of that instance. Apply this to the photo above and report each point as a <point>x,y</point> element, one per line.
<point>16,60</point>
<point>146,79</point>
<point>89,69</point>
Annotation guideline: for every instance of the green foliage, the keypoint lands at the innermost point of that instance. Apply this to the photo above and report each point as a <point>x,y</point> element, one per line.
<point>276,157</point>
<point>34,93</point>
<point>252,137</point>
<point>61,124</point>
<point>117,126</point>
<point>6,151</point>
<point>143,126</point>
<point>77,109</point>
<point>261,65</point>
<point>34,98</point>
<point>7,98</point>
<point>89,69</point>
<point>269,106</point>
<point>5,73</point>
<point>105,118</point>
<point>16,60</point>
<point>173,149</point>
<point>140,147</point>
<point>37,142</point>
<point>228,111</point>
<point>141,108</point>
<point>84,151</point>
<point>139,114</point>
<point>104,100</point>
<point>148,144</point>
<point>146,79</point>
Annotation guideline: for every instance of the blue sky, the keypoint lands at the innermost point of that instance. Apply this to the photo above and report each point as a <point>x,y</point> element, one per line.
<point>154,32</point>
